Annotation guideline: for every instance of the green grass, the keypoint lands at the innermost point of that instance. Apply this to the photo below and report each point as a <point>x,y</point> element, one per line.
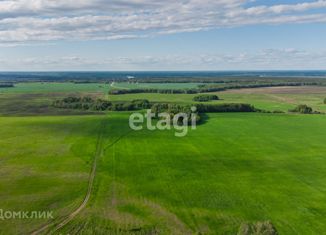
<point>233,169</point>
<point>37,104</point>
<point>45,163</point>
<point>125,85</point>
<point>47,87</point>
<point>236,168</point>
<point>282,102</point>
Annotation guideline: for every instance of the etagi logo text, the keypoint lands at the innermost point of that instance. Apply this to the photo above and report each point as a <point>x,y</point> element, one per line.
<point>180,122</point>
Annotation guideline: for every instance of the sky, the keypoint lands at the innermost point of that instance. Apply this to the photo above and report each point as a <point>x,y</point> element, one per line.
<point>141,35</point>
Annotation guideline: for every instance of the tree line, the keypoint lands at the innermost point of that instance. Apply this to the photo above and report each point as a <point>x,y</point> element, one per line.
<point>6,85</point>
<point>226,108</point>
<point>152,90</point>
<point>199,109</point>
<point>89,103</point>
<point>207,88</point>
<point>205,98</point>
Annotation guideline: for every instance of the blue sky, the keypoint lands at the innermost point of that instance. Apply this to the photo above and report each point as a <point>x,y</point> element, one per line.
<point>42,35</point>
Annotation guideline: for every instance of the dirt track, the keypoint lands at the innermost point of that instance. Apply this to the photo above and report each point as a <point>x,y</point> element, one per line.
<point>71,216</point>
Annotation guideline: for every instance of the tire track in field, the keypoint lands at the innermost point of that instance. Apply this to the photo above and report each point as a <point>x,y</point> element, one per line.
<point>71,216</point>
<point>113,168</point>
<point>116,141</point>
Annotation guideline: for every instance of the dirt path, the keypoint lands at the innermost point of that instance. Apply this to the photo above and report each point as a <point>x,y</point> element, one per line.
<point>71,216</point>
<point>282,99</point>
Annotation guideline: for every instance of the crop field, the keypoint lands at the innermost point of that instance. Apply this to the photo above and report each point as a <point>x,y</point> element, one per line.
<point>234,169</point>
<point>36,87</point>
<point>45,87</point>
<point>125,85</point>
<point>45,163</point>
<point>275,98</point>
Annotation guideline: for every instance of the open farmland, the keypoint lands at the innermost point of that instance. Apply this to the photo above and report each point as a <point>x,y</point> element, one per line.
<point>271,98</point>
<point>50,87</point>
<point>235,169</point>
<point>125,85</point>
<point>45,162</point>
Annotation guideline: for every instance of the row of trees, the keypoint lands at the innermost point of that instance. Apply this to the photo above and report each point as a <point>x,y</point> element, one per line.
<point>213,88</point>
<point>88,103</point>
<point>228,80</point>
<point>207,88</point>
<point>224,108</point>
<point>198,109</point>
<point>6,85</point>
<point>152,90</point>
<point>205,98</point>
<point>203,108</point>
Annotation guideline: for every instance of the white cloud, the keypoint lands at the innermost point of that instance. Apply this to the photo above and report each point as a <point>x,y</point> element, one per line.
<point>46,20</point>
<point>288,58</point>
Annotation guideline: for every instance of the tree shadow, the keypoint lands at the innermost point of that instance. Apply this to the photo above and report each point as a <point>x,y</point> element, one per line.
<point>203,119</point>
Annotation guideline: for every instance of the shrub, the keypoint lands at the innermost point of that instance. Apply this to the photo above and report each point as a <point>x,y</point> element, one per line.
<point>302,108</point>
<point>205,98</point>
<point>141,104</point>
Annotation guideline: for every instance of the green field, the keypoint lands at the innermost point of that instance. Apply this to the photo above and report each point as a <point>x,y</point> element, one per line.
<point>45,163</point>
<point>125,85</point>
<point>44,87</point>
<point>235,168</point>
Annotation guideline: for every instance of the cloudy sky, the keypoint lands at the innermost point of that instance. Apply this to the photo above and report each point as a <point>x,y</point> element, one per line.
<point>42,35</point>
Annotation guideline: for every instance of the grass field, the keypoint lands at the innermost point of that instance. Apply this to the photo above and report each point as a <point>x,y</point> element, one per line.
<point>237,168</point>
<point>46,87</point>
<point>234,169</point>
<point>125,85</point>
<point>45,163</point>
